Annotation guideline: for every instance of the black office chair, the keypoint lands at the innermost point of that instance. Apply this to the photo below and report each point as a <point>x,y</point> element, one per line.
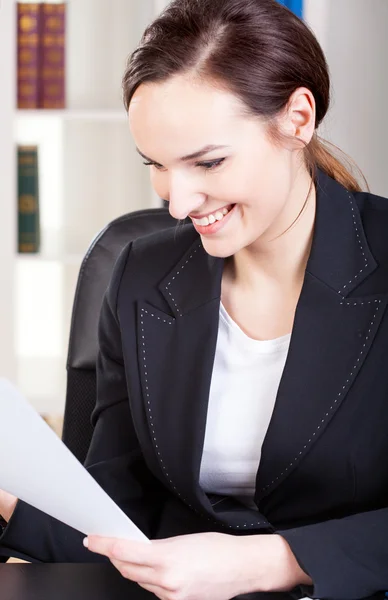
<point>93,279</point>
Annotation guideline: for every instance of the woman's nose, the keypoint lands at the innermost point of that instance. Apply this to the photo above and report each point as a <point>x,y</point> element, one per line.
<point>180,191</point>
<point>180,207</point>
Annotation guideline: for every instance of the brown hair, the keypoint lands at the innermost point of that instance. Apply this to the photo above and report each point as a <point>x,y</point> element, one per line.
<point>256,49</point>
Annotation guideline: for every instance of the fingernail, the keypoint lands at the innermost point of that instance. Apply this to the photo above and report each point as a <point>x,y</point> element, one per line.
<point>86,542</point>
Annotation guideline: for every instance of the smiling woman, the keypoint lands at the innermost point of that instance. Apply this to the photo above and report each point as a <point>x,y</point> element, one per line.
<point>241,418</point>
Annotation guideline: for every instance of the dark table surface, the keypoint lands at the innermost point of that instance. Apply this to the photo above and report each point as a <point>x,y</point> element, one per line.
<point>78,582</point>
<point>84,582</point>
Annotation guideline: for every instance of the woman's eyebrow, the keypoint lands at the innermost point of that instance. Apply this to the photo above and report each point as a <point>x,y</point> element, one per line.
<point>198,154</point>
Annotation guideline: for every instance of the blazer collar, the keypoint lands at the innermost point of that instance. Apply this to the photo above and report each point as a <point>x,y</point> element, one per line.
<point>340,256</point>
<point>180,288</point>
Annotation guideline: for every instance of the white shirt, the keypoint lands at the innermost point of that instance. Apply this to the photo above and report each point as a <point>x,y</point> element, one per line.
<point>243,391</point>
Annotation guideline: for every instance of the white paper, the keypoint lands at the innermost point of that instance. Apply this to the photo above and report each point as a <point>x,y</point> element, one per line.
<point>38,468</point>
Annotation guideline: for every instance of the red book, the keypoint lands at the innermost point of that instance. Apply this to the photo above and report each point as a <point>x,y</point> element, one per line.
<point>28,52</point>
<point>52,73</point>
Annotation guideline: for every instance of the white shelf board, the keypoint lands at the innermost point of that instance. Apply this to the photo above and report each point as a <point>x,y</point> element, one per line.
<point>73,115</point>
<point>67,259</point>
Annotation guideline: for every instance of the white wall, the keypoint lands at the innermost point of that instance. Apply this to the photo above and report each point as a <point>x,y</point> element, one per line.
<point>160,5</point>
<point>353,34</point>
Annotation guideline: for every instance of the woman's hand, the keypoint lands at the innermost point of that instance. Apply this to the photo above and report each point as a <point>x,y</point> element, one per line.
<point>204,566</point>
<point>7,505</point>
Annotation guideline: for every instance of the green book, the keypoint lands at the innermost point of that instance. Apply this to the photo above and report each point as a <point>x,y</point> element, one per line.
<point>28,200</point>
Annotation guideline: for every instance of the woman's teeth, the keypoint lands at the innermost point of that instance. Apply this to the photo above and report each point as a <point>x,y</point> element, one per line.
<point>209,220</point>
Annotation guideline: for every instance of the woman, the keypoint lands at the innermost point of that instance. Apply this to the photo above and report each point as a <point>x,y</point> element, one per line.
<point>242,417</point>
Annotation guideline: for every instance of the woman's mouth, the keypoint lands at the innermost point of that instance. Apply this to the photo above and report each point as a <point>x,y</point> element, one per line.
<point>213,222</point>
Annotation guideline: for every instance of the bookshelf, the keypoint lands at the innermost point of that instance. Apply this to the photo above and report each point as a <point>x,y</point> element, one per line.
<point>89,174</point>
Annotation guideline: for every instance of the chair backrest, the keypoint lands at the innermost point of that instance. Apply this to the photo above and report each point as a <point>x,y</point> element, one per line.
<point>93,280</point>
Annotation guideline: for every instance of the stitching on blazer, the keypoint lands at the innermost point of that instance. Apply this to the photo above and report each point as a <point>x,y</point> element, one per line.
<point>148,395</point>
<point>170,322</point>
<point>178,273</point>
<point>356,302</point>
<point>341,393</point>
<point>360,244</point>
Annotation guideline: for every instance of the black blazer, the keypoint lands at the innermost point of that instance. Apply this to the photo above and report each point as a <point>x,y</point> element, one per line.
<point>322,481</point>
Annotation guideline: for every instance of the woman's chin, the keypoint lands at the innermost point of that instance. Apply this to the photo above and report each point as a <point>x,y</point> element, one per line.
<point>220,249</point>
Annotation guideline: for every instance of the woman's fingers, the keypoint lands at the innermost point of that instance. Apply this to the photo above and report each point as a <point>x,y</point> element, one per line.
<point>140,553</point>
<point>137,573</point>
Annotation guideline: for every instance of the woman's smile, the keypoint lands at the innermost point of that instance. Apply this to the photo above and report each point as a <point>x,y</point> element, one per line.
<point>213,222</point>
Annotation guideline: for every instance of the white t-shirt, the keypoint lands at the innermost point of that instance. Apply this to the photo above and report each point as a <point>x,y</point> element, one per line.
<point>243,391</point>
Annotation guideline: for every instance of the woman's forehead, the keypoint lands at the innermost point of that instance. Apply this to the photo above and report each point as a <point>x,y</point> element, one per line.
<point>185,116</point>
<point>180,102</point>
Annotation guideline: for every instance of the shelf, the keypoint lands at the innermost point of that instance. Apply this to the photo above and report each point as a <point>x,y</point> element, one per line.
<point>88,176</point>
<point>74,115</point>
<point>66,259</point>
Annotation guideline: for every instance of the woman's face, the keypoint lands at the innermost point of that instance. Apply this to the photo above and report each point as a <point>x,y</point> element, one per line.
<point>237,195</point>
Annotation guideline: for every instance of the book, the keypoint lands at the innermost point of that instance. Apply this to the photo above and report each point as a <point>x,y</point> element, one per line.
<point>52,49</point>
<point>41,54</point>
<point>28,53</point>
<point>28,200</point>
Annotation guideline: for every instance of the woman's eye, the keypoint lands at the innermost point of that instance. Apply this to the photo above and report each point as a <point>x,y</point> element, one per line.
<point>159,167</point>
<point>208,165</point>
<point>211,165</point>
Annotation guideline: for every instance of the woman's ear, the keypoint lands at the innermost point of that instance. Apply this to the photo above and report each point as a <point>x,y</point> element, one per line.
<point>298,119</point>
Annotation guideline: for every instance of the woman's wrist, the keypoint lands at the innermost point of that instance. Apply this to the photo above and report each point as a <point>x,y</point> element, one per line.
<point>291,574</point>
<point>270,565</point>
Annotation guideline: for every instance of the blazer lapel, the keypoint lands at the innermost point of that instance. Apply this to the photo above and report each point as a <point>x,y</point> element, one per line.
<point>176,357</point>
<point>331,337</point>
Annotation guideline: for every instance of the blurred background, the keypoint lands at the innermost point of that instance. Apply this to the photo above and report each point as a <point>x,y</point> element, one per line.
<point>68,164</point>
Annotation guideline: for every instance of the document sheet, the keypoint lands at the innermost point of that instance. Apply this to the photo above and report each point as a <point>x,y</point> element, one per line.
<point>38,468</point>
